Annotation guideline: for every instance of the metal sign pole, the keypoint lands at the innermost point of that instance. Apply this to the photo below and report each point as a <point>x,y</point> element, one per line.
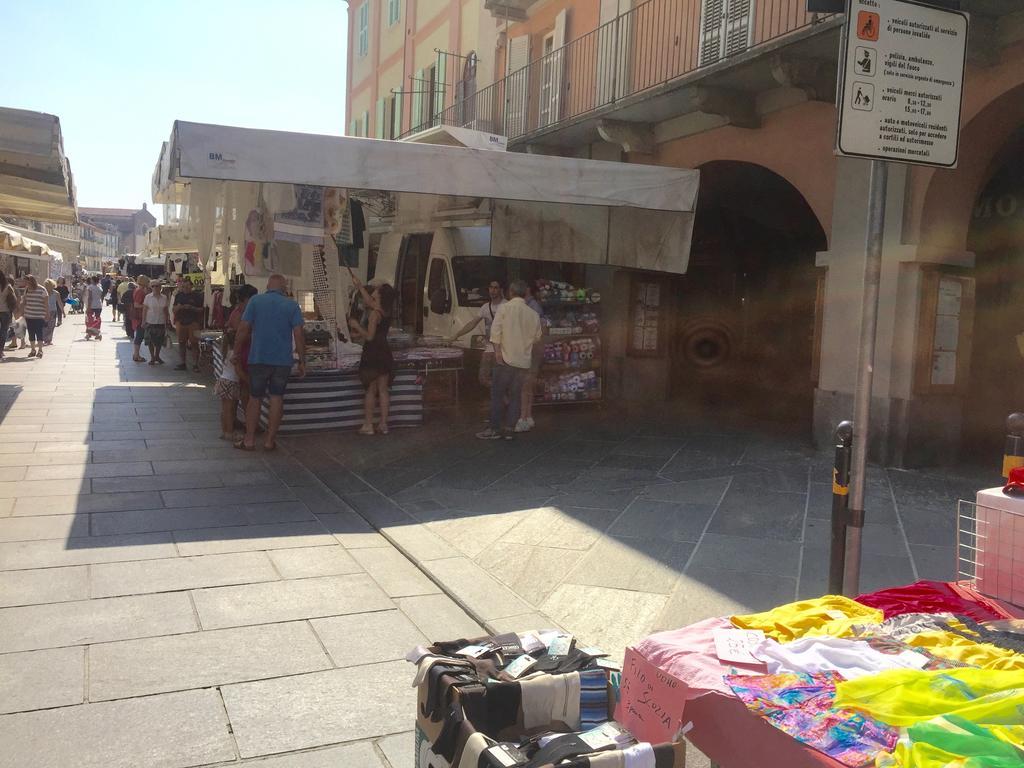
<point>865,371</point>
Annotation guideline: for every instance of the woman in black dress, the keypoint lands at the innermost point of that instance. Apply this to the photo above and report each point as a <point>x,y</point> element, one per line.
<point>375,365</point>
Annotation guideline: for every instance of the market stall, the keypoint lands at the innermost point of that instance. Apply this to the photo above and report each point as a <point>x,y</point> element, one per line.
<point>259,202</point>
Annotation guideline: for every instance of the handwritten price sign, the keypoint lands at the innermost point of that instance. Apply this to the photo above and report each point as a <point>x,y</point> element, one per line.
<point>651,701</point>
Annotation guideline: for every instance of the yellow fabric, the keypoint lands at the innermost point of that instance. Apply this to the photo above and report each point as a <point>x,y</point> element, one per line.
<point>907,696</point>
<point>948,645</point>
<point>832,615</point>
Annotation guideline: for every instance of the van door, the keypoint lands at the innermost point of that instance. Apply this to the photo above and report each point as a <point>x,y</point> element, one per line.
<point>410,279</point>
<point>438,318</point>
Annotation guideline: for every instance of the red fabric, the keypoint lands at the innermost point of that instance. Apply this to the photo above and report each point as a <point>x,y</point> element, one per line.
<point>933,597</point>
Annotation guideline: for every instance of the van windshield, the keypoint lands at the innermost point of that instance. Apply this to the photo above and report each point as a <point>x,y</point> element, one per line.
<point>472,276</point>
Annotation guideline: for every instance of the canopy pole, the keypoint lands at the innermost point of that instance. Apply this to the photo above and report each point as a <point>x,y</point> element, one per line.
<point>865,370</point>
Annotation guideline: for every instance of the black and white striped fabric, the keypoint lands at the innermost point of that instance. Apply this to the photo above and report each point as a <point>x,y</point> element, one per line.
<point>321,287</point>
<point>334,400</point>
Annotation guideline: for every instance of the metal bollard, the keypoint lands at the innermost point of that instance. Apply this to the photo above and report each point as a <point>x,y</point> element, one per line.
<point>1013,453</point>
<point>840,506</point>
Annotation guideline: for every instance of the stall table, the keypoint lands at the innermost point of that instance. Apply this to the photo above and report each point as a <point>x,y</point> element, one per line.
<point>333,399</point>
<point>733,736</point>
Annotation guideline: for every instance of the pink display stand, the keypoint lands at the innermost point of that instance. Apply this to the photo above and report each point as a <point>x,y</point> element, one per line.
<point>999,559</point>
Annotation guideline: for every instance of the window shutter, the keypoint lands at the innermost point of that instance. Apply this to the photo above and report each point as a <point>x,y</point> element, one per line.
<point>378,125</point>
<point>516,85</point>
<point>353,127</point>
<point>711,23</point>
<point>440,89</point>
<point>366,124</point>
<point>738,26</point>
<point>396,117</point>
<point>518,53</point>
<point>418,87</point>
<point>560,23</point>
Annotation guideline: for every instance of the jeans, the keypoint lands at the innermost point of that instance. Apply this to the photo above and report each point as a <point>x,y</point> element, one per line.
<point>5,323</point>
<point>506,385</point>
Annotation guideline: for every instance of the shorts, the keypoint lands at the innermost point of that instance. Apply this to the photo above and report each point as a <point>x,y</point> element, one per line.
<point>140,334</point>
<point>268,379</point>
<point>185,332</point>
<point>36,326</point>
<point>156,335</point>
<point>536,358</point>
<point>226,389</point>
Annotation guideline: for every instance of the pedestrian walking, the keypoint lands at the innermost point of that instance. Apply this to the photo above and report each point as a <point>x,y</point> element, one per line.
<point>516,328</point>
<point>228,386</point>
<point>93,297</point>
<point>188,317</point>
<point>138,318</point>
<point>241,350</point>
<point>63,291</point>
<point>8,306</point>
<point>35,308</point>
<point>125,294</point>
<point>526,423</point>
<point>53,304</point>
<point>157,318</point>
<point>376,366</point>
<point>272,325</point>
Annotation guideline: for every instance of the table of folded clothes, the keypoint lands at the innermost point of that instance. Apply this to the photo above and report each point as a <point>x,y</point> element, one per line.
<point>929,675</point>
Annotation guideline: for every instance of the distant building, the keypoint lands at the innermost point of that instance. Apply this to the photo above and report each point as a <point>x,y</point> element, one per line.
<point>131,225</point>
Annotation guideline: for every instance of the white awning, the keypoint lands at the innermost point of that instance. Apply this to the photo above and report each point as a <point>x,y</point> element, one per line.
<point>454,136</point>
<point>171,238</point>
<point>71,249</point>
<point>202,151</point>
<point>17,244</point>
<point>35,176</point>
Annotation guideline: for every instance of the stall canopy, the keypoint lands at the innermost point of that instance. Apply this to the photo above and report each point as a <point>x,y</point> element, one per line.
<point>35,176</point>
<point>13,242</point>
<point>71,249</point>
<point>170,238</point>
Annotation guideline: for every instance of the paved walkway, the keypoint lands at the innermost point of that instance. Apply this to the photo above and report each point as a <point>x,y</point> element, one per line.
<point>170,602</point>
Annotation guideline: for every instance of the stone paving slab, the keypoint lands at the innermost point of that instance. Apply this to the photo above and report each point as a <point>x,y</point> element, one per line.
<point>175,730</point>
<point>45,585</point>
<point>41,679</point>
<point>288,600</point>
<point>308,562</point>
<point>367,638</point>
<point>251,537</point>
<point>394,573</point>
<point>180,573</point>
<point>320,708</point>
<point>359,755</point>
<point>202,659</point>
<point>92,621</point>
<point>49,527</point>
<point>86,549</point>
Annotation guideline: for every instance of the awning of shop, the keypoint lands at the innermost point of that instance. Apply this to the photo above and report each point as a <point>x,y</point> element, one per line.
<point>171,238</point>
<point>35,176</point>
<point>17,244</point>
<point>202,151</point>
<point>148,259</point>
<point>71,249</point>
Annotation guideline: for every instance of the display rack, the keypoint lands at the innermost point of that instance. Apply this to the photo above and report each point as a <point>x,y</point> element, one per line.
<point>571,369</point>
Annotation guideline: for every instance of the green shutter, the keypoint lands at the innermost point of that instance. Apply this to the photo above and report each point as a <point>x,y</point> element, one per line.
<point>439,87</point>
<point>417,100</point>
<point>397,116</point>
<point>378,126</point>
<point>353,127</point>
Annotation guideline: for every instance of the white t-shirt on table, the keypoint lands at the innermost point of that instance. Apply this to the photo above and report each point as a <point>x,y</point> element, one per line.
<point>155,307</point>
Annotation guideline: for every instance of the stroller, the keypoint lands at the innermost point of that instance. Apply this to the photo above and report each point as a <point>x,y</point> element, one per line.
<point>74,306</point>
<point>93,327</point>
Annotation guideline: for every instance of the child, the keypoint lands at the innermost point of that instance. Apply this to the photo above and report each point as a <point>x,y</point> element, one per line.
<point>228,387</point>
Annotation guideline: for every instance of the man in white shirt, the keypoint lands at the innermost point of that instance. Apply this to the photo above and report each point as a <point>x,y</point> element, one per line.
<point>487,314</point>
<point>156,317</point>
<point>93,297</point>
<point>516,328</point>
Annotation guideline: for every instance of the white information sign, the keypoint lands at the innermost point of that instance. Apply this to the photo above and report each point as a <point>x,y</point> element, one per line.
<point>902,82</point>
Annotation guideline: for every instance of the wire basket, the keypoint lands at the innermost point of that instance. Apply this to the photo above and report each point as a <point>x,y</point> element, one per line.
<point>971,539</point>
<point>990,547</point>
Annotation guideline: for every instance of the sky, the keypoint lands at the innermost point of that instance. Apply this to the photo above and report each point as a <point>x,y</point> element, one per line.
<point>118,73</point>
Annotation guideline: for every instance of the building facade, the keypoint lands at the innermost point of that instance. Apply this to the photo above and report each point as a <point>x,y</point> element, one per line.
<point>764,324</point>
<point>101,246</point>
<point>131,225</point>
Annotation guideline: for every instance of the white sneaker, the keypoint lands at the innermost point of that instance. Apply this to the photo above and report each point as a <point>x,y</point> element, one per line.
<point>531,422</point>
<point>522,425</point>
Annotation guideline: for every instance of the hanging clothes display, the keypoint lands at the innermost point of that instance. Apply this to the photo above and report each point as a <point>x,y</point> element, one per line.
<point>305,222</point>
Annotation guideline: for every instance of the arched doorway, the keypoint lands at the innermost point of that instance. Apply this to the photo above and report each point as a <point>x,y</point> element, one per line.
<point>996,236</point>
<point>744,343</point>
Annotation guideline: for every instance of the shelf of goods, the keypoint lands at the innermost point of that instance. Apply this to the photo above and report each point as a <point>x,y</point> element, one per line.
<point>571,369</point>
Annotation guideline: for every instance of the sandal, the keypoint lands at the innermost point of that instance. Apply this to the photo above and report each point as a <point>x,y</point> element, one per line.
<point>240,445</point>
<point>366,431</point>
<point>271,447</point>
<point>382,429</point>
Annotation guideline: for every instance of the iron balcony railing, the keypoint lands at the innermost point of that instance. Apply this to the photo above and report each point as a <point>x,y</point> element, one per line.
<point>646,47</point>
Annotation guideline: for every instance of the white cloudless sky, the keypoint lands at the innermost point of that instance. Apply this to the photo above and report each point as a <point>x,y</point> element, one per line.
<point>118,73</point>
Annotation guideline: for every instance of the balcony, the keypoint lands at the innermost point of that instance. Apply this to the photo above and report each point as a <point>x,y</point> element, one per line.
<point>660,60</point>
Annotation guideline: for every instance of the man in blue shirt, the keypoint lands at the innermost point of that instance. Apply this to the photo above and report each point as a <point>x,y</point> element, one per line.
<point>272,324</point>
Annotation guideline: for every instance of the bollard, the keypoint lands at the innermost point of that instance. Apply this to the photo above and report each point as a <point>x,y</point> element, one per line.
<point>840,506</point>
<point>1013,453</point>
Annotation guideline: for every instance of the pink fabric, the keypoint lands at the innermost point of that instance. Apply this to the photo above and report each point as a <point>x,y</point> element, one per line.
<point>688,654</point>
